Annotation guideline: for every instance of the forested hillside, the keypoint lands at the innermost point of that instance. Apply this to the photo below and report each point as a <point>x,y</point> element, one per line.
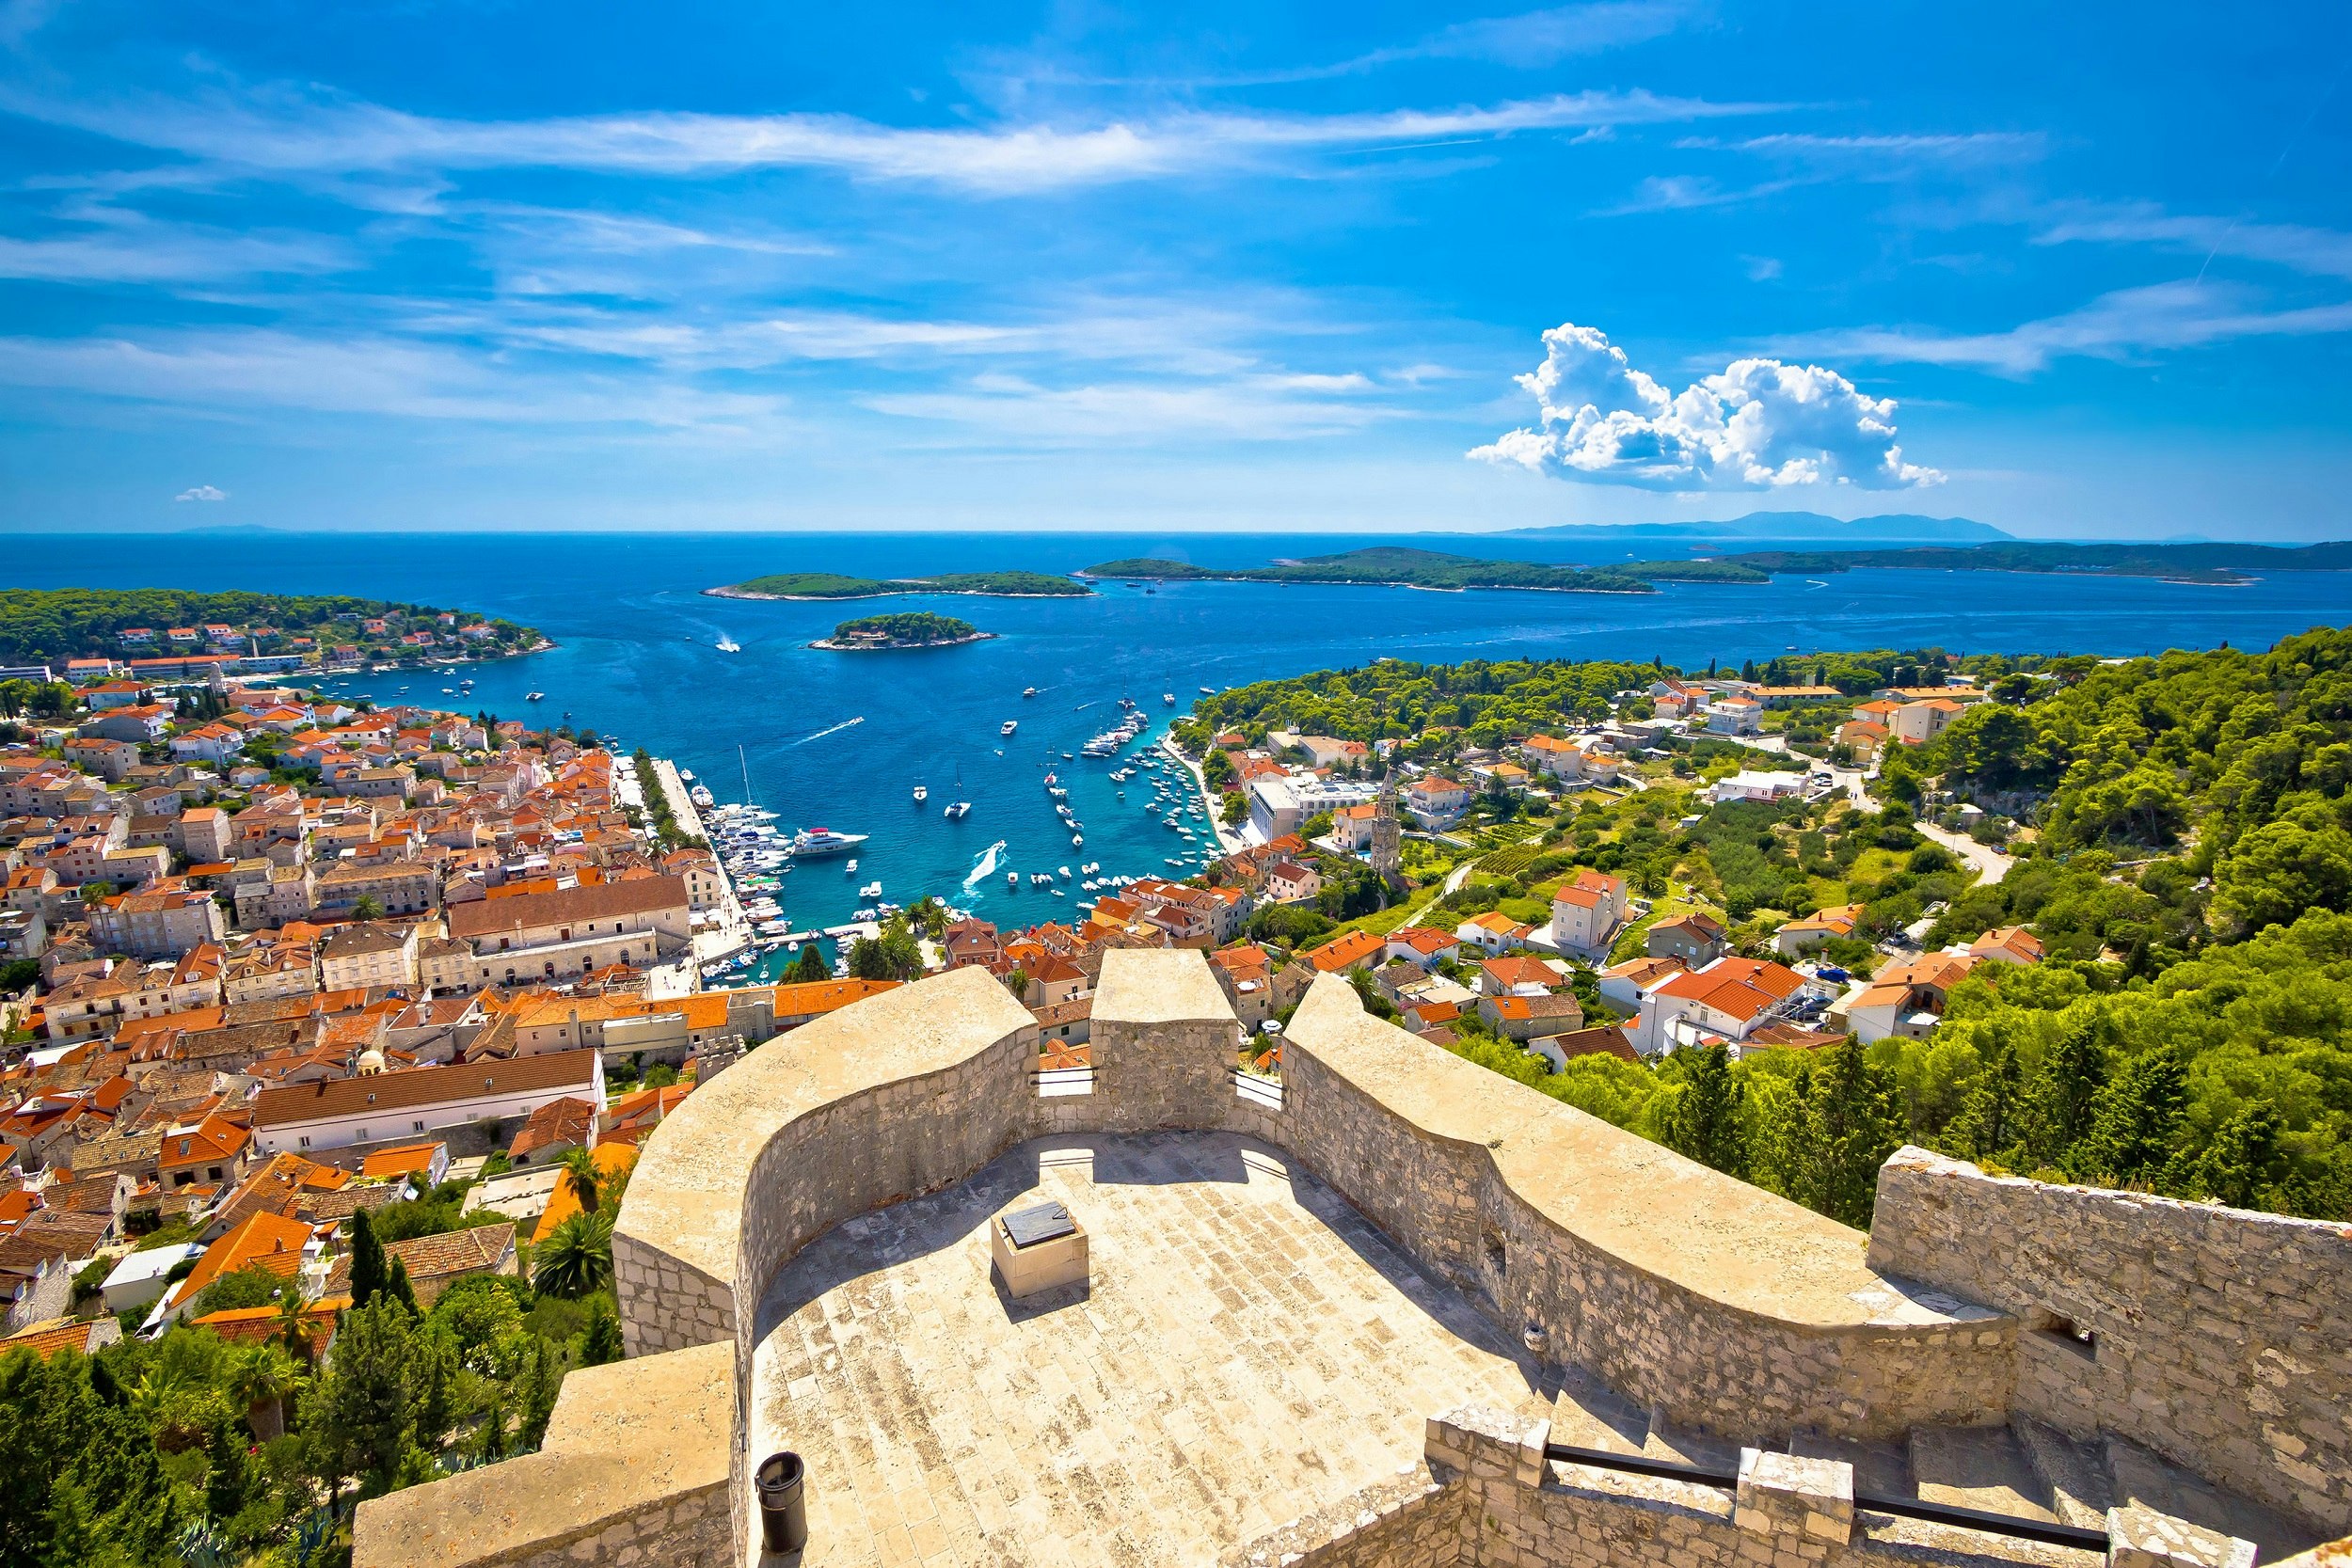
<point>50,626</point>
<point>2183,842</point>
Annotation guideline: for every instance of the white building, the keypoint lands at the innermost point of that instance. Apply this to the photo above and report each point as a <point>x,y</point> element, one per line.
<point>393,1107</point>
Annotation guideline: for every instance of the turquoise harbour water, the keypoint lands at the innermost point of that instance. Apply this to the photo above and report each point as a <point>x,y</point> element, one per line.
<point>638,658</point>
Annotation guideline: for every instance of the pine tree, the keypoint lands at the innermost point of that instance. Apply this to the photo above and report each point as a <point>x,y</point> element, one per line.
<point>809,966</point>
<point>358,1419</point>
<point>1989,1122</point>
<point>2130,1142</point>
<point>1708,1118</point>
<point>369,1273</point>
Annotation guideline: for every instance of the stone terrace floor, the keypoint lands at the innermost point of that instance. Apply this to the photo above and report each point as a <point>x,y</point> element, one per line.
<point>1251,1350</point>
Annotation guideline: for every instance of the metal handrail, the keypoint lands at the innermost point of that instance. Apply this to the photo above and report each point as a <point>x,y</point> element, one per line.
<point>1907,1508</point>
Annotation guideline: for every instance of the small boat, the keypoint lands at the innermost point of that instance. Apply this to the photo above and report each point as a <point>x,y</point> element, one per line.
<point>1012,879</point>
<point>1008,726</point>
<point>1077,841</point>
<point>921,794</point>
<point>871,889</point>
<point>528,696</point>
<point>1029,691</point>
<point>1208,691</point>
<point>850,869</point>
<point>957,812</point>
<point>729,645</point>
<point>1169,697</point>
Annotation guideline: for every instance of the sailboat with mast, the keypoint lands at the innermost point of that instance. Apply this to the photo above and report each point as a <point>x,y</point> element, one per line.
<point>959,809</point>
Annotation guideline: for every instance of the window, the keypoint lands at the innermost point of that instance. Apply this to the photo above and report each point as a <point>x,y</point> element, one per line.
<point>303,1142</point>
<point>419,1127</point>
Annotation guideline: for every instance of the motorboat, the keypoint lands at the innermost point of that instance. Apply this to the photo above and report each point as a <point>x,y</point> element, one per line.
<point>1008,726</point>
<point>810,843</point>
<point>1012,879</point>
<point>922,793</point>
<point>528,696</point>
<point>871,889</point>
<point>1168,698</point>
<point>1029,691</point>
<point>850,869</point>
<point>1208,691</point>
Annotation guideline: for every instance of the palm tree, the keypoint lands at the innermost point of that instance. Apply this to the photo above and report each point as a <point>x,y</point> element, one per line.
<point>260,1377</point>
<point>577,1257</point>
<point>581,1177</point>
<point>292,1327</point>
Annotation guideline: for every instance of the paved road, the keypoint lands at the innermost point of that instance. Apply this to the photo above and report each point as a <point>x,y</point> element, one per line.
<point>1991,864</point>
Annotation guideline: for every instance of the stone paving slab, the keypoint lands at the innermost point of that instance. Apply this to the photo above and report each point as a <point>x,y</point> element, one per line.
<point>1250,1349</point>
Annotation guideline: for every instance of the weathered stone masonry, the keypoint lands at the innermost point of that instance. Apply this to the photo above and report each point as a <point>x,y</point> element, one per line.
<point>1714,1303</point>
<point>2219,1339</point>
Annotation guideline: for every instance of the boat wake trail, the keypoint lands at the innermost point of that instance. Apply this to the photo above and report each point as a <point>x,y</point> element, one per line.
<point>821,734</point>
<point>984,865</point>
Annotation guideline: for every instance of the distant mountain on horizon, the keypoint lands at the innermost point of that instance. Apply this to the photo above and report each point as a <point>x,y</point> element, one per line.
<point>1810,527</point>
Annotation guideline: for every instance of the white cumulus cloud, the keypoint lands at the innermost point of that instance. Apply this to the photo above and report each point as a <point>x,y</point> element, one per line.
<point>1757,424</point>
<point>201,493</point>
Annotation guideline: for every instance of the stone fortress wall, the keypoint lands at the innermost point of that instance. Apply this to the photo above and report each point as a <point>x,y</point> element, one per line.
<point>2219,1339</point>
<point>1718,1304</point>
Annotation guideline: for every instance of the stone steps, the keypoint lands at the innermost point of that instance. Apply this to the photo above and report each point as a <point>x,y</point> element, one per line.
<point>1981,1467</point>
<point>2027,1470</point>
<point>2139,1475</point>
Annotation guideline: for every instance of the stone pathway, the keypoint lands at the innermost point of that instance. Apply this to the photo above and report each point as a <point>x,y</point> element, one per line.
<point>1250,1350</point>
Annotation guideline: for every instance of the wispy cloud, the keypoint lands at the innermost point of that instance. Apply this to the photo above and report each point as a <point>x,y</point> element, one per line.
<point>235,370</point>
<point>1012,409</point>
<point>2122,325</point>
<point>1542,37</point>
<point>1972,146</point>
<point>201,493</point>
<point>2319,252</point>
<point>281,133</point>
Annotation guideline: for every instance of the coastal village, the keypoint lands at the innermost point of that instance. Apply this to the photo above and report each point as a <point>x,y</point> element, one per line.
<point>280,959</point>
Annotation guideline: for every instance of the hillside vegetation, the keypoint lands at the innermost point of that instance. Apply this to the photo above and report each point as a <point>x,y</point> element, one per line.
<point>2189,866</point>
<point>1394,566</point>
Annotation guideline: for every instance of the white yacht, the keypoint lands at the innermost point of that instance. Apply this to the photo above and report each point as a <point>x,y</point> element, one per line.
<point>922,793</point>
<point>1008,726</point>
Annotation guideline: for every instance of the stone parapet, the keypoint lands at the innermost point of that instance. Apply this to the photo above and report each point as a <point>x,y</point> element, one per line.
<point>1717,1303</point>
<point>2220,1339</point>
<point>633,1474</point>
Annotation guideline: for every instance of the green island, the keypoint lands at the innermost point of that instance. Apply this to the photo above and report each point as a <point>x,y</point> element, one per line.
<point>833,585</point>
<point>913,628</point>
<point>2175,830</point>
<point>2219,564</point>
<point>54,625</point>
<point>1398,566</point>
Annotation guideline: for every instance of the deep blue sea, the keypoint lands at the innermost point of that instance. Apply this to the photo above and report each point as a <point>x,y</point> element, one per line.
<point>638,658</point>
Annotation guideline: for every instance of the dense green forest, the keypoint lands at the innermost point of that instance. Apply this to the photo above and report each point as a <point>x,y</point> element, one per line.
<point>833,585</point>
<point>195,1450</point>
<point>2184,847</point>
<point>912,628</point>
<point>50,626</point>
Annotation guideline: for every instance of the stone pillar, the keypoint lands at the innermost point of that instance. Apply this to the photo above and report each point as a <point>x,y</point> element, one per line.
<point>1165,1043</point>
<point>1806,1505</point>
<point>2143,1537</point>
<point>1488,1445</point>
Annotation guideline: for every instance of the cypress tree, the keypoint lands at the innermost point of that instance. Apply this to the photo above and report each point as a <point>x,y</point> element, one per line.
<point>1708,1118</point>
<point>603,1342</point>
<point>2247,1159</point>
<point>369,1273</point>
<point>1988,1124</point>
<point>396,1285</point>
<point>2065,1092</point>
<point>1855,1124</point>
<point>2139,1113</point>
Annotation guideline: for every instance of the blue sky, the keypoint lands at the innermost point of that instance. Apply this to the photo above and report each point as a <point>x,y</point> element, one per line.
<point>2072,270</point>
